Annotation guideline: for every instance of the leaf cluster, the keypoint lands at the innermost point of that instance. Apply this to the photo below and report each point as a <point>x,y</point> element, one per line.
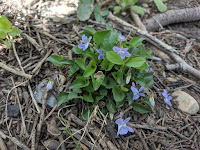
<point>6,31</point>
<point>109,79</point>
<point>137,7</point>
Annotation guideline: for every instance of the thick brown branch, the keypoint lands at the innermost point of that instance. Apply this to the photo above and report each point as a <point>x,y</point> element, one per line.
<point>173,16</point>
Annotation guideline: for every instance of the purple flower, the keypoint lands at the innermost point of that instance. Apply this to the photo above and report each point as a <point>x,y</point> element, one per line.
<point>149,69</point>
<point>101,54</point>
<point>167,98</point>
<point>49,86</point>
<point>122,127</point>
<point>136,93</point>
<point>121,37</point>
<point>86,42</point>
<point>122,52</point>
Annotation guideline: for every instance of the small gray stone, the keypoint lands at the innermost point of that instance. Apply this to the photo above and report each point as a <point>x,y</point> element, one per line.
<point>13,110</point>
<point>186,103</point>
<point>38,94</point>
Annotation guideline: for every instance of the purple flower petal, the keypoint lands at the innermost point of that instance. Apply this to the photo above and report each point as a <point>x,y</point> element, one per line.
<point>99,51</point>
<point>129,129</point>
<point>89,39</point>
<point>116,49</point>
<point>119,121</point>
<point>127,54</point>
<point>136,96</point>
<point>122,130</point>
<point>169,98</point>
<point>134,89</point>
<point>141,94</point>
<point>81,46</point>
<point>84,38</point>
<point>127,120</point>
<point>168,102</point>
<point>141,89</point>
<point>164,93</point>
<point>125,49</point>
<point>121,55</point>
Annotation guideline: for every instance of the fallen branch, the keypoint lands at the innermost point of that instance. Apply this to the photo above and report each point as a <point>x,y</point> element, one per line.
<point>19,73</point>
<point>33,42</point>
<point>173,16</point>
<point>14,140</point>
<point>159,44</point>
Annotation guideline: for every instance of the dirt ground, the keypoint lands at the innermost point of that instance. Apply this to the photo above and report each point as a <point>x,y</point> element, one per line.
<point>54,25</point>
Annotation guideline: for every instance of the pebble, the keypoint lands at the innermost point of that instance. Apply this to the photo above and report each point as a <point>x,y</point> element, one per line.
<point>186,103</point>
<point>38,94</point>
<point>13,110</point>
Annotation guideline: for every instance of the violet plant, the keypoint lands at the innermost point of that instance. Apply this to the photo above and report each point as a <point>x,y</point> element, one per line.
<point>122,127</point>
<point>167,98</point>
<point>112,65</point>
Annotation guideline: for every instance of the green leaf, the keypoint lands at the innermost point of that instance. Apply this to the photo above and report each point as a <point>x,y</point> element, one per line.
<point>90,30</point>
<point>111,41</point>
<point>2,35</point>
<point>90,69</point>
<point>101,36</point>
<point>86,113</point>
<point>109,82</point>
<point>66,62</point>
<point>74,95</point>
<point>97,79</point>
<point>131,2</point>
<point>120,104</point>
<point>88,97</point>
<point>76,50</point>
<point>105,64</point>
<point>79,83</point>
<point>81,63</point>
<point>7,43</point>
<point>130,97</point>
<point>97,13</point>
<point>143,67</point>
<point>84,9</point>
<point>59,60</point>
<point>117,9</point>
<point>62,98</point>
<point>55,60</point>
<point>104,12</point>
<point>73,69</point>
<point>136,41</point>
<point>103,91</point>
<point>135,62</point>
<point>138,10</point>
<point>89,88</point>
<point>111,106</point>
<point>146,101</point>
<point>114,58</point>
<point>77,90</point>
<point>14,32</point>
<point>4,22</point>
<point>160,5</point>
<point>117,94</point>
<point>140,108</point>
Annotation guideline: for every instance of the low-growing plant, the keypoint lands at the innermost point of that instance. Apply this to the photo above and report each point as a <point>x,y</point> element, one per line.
<point>110,69</point>
<point>6,31</point>
<point>123,4</point>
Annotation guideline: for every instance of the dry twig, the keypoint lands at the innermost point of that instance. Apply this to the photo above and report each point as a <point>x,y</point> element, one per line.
<point>19,73</point>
